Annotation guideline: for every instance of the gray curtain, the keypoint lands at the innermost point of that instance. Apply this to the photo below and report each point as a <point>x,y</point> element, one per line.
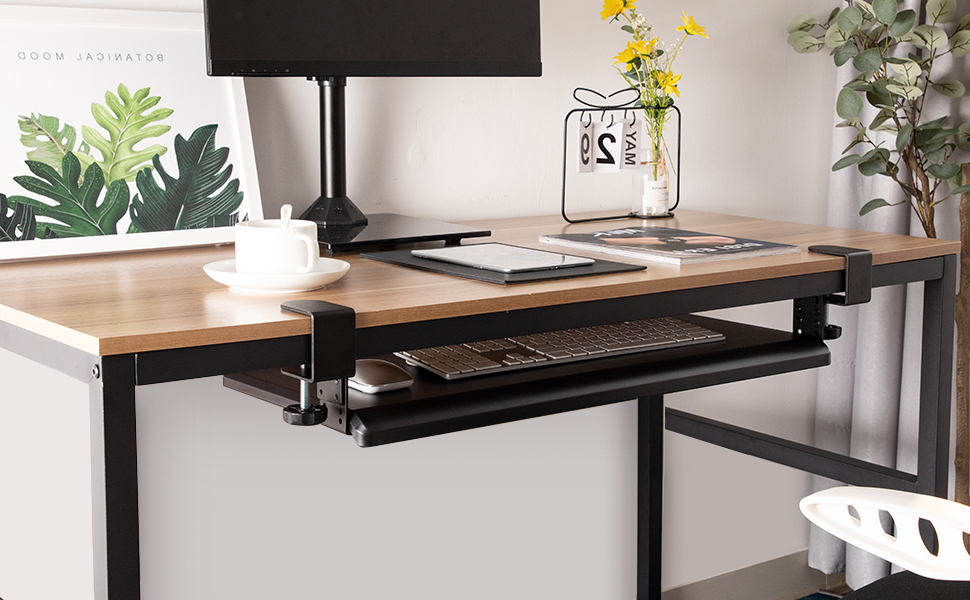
<point>867,403</point>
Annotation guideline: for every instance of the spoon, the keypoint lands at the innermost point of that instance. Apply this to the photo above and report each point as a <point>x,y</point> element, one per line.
<point>285,212</point>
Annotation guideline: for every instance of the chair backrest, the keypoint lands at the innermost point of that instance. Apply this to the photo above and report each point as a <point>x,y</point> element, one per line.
<point>829,509</point>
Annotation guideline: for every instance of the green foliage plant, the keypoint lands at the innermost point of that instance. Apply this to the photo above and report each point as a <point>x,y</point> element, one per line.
<point>894,60</point>
<point>201,196</point>
<point>16,226</point>
<point>76,208</point>
<point>126,121</point>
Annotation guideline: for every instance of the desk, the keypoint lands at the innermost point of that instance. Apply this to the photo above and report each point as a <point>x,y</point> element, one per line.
<point>121,321</point>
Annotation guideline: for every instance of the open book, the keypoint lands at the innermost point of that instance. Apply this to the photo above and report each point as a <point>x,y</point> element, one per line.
<point>663,244</point>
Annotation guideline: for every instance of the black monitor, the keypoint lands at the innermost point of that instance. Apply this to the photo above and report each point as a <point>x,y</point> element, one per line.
<point>329,41</point>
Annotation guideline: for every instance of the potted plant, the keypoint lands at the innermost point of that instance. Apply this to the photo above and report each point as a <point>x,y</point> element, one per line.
<point>893,58</point>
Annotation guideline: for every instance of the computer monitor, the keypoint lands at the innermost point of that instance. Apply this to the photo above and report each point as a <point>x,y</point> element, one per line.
<point>329,41</point>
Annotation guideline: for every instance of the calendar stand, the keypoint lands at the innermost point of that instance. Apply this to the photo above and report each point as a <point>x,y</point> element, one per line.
<point>625,107</point>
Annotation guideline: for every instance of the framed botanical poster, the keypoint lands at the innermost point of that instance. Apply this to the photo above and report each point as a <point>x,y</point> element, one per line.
<point>112,136</point>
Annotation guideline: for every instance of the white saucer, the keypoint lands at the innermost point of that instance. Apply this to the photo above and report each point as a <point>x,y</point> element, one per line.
<point>327,271</point>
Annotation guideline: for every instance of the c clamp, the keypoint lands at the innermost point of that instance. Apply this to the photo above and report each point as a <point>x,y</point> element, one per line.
<point>333,352</point>
<point>811,314</point>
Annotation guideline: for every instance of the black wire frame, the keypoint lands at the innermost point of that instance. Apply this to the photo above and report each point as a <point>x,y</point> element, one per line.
<point>603,110</point>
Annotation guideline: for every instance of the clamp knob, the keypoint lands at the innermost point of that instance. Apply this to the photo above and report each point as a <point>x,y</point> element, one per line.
<point>295,414</point>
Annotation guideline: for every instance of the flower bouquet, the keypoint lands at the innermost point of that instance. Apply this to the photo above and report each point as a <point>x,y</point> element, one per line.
<point>646,64</point>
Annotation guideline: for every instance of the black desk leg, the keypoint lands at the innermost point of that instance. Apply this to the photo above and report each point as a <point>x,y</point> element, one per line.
<point>114,479</point>
<point>936,376</point>
<point>650,474</point>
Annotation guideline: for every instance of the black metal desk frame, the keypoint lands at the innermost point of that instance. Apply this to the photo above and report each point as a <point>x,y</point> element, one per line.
<point>112,381</point>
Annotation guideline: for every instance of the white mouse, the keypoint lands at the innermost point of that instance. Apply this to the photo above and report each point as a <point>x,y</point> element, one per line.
<point>374,375</point>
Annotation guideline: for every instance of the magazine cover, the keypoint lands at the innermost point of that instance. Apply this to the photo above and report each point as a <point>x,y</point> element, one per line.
<point>675,246</point>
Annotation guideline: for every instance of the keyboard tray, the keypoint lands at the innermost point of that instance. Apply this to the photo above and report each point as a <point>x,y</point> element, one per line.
<point>433,406</point>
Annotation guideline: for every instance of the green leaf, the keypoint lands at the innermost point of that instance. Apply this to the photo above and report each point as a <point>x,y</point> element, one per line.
<point>16,226</point>
<point>960,190</point>
<point>868,14</point>
<point>45,139</point>
<point>939,156</point>
<point>849,104</point>
<point>903,23</point>
<point>874,162</point>
<point>885,11</point>
<point>627,29</point>
<point>833,15</point>
<point>908,71</point>
<point>909,92</point>
<point>879,94</point>
<point>902,138</point>
<point>872,205</point>
<point>201,193</point>
<point>844,53</point>
<point>880,153</point>
<point>881,117</point>
<point>858,139</point>
<point>944,171</point>
<point>872,167</point>
<point>76,207</point>
<point>950,89</point>
<point>856,123</point>
<point>849,19</point>
<point>963,24</point>
<point>960,43</point>
<point>941,11</point>
<point>835,37</point>
<point>929,37</point>
<point>127,124</point>
<point>867,60</point>
<point>802,22</point>
<point>846,161</point>
<point>939,138</point>
<point>805,43</point>
<point>962,138</point>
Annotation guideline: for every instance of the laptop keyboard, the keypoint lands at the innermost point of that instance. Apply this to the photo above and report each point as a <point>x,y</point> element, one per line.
<point>508,354</point>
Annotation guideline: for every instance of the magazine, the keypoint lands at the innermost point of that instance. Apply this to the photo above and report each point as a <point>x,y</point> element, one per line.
<point>674,246</point>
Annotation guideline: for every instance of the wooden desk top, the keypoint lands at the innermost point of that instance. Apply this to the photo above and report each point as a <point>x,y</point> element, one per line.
<point>123,303</point>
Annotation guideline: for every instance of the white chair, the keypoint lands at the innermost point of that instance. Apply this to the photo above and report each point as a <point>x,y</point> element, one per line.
<point>944,575</point>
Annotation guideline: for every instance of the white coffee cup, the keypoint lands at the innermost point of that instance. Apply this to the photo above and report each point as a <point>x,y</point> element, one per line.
<point>276,246</point>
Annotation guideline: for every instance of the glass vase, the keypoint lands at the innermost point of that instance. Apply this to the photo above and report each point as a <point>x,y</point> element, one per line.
<point>651,186</point>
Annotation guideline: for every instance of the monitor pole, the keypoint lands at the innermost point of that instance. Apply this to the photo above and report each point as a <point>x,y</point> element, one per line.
<point>333,207</point>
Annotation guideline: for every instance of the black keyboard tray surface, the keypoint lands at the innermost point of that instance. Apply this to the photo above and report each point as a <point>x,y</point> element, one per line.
<point>435,406</point>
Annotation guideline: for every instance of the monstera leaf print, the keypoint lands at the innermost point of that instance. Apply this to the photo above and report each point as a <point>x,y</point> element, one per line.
<point>75,209</point>
<point>201,196</point>
<point>46,140</point>
<point>126,124</point>
<point>21,225</point>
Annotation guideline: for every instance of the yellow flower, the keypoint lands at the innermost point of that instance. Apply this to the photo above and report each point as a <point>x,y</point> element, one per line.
<point>642,47</point>
<point>667,82</point>
<point>612,8</point>
<point>691,27</point>
<point>626,57</point>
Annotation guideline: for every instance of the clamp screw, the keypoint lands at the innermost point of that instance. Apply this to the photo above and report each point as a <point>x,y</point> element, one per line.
<point>96,371</point>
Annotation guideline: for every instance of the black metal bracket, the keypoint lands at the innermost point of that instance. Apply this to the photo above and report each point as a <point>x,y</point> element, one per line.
<point>333,351</point>
<point>858,274</point>
<point>811,317</point>
<point>811,314</point>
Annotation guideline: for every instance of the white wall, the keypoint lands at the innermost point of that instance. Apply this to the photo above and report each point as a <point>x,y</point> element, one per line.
<point>250,508</point>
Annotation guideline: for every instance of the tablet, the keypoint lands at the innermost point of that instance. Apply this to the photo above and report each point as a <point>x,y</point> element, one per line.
<point>502,258</point>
